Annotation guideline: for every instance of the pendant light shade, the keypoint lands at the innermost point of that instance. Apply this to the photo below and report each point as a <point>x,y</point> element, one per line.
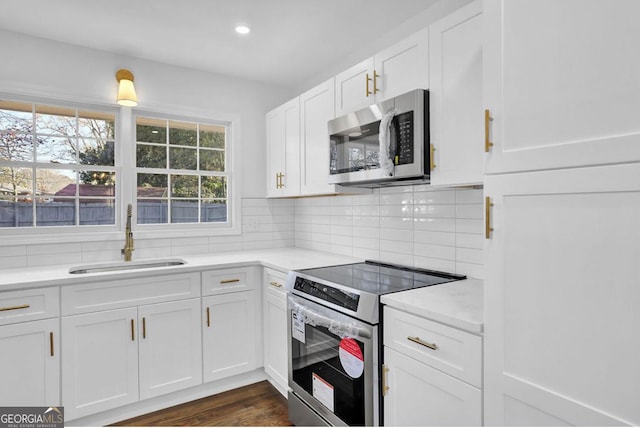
<point>126,91</point>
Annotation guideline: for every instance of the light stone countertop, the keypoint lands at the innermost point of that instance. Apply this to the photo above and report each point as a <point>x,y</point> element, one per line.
<point>458,304</point>
<point>282,259</point>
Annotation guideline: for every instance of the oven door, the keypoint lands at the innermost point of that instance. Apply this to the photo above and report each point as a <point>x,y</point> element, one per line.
<point>333,364</point>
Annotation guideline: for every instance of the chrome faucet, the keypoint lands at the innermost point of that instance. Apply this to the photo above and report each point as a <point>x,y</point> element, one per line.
<point>128,238</point>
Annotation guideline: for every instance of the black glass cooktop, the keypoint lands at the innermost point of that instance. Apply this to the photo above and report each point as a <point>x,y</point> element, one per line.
<point>380,278</point>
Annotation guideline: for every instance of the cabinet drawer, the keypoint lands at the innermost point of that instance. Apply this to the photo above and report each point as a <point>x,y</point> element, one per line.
<point>456,352</point>
<point>275,281</point>
<point>105,295</point>
<point>29,305</point>
<point>221,281</point>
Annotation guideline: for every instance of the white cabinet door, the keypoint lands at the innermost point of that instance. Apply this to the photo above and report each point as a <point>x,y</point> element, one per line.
<point>275,330</point>
<point>30,369</point>
<point>99,361</point>
<point>354,88</point>
<point>420,395</point>
<point>561,82</point>
<point>562,297</point>
<point>170,352</point>
<point>229,334</point>
<point>403,67</point>
<point>283,150</point>
<point>316,109</point>
<point>455,95</point>
<point>395,70</point>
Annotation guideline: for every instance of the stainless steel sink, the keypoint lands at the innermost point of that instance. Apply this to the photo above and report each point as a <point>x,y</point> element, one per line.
<point>118,266</point>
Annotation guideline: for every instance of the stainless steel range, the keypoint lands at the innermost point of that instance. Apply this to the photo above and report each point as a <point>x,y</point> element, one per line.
<point>335,329</point>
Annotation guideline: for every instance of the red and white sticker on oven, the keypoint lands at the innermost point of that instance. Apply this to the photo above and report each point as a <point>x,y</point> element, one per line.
<point>351,357</point>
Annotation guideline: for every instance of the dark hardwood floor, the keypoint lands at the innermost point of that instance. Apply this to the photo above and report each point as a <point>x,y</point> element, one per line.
<point>259,404</point>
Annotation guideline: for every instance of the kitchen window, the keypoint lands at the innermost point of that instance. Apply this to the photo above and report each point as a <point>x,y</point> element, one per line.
<point>57,166</point>
<point>182,172</point>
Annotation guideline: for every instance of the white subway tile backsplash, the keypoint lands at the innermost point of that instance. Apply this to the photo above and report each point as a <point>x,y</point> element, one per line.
<point>420,226</point>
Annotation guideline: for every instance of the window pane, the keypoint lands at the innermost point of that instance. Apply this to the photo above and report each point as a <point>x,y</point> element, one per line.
<point>184,211</point>
<point>52,184</point>
<point>52,120</point>
<point>214,187</point>
<point>152,185</point>
<point>151,156</point>
<point>97,211</point>
<point>97,125</point>
<point>16,116</point>
<point>182,158</point>
<point>211,160</point>
<point>182,134</point>
<point>151,130</point>
<point>17,182</point>
<point>16,147</point>
<point>58,212</point>
<point>152,211</point>
<point>184,186</point>
<point>16,212</point>
<point>212,136</point>
<point>56,149</point>
<point>96,152</point>
<point>213,211</point>
<point>97,183</point>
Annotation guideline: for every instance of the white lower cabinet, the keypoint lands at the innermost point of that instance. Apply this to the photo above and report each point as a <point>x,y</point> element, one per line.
<point>275,330</point>
<point>113,358</point>
<point>561,311</point>
<point>229,339</point>
<point>420,395</point>
<point>170,356</point>
<point>432,373</point>
<point>99,361</point>
<point>30,369</point>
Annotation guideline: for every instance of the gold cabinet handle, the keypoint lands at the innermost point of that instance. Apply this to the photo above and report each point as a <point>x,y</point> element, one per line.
<point>423,343</point>
<point>375,82</point>
<point>13,308</point>
<point>487,130</point>
<point>51,343</point>
<point>208,317</point>
<point>133,330</point>
<point>276,284</point>
<point>367,91</point>
<point>144,328</point>
<point>385,384</point>
<point>229,281</point>
<point>487,218</point>
<point>279,181</point>
<point>432,161</point>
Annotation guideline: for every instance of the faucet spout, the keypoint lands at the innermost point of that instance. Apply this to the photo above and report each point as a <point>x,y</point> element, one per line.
<point>128,249</point>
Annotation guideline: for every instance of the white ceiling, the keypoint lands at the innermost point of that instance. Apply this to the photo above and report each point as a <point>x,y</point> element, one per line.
<point>290,40</point>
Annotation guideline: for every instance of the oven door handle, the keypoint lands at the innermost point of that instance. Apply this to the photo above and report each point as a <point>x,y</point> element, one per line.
<point>342,329</point>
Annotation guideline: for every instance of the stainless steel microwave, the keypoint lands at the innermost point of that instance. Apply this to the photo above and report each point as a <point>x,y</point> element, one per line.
<point>381,145</point>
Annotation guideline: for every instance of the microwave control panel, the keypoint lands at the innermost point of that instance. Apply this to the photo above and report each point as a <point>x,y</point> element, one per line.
<point>403,126</point>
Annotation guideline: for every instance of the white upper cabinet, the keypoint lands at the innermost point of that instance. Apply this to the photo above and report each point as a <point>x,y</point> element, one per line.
<point>393,71</point>
<point>455,96</point>
<point>316,109</point>
<point>561,83</point>
<point>283,150</point>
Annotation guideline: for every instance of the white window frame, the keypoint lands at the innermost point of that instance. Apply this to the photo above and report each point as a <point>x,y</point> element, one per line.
<point>71,233</point>
<point>125,169</point>
<point>232,225</point>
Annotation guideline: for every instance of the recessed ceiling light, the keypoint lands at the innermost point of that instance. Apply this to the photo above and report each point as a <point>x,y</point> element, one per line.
<point>242,29</point>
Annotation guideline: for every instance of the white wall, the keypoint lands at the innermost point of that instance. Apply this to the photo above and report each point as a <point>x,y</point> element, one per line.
<point>43,68</point>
